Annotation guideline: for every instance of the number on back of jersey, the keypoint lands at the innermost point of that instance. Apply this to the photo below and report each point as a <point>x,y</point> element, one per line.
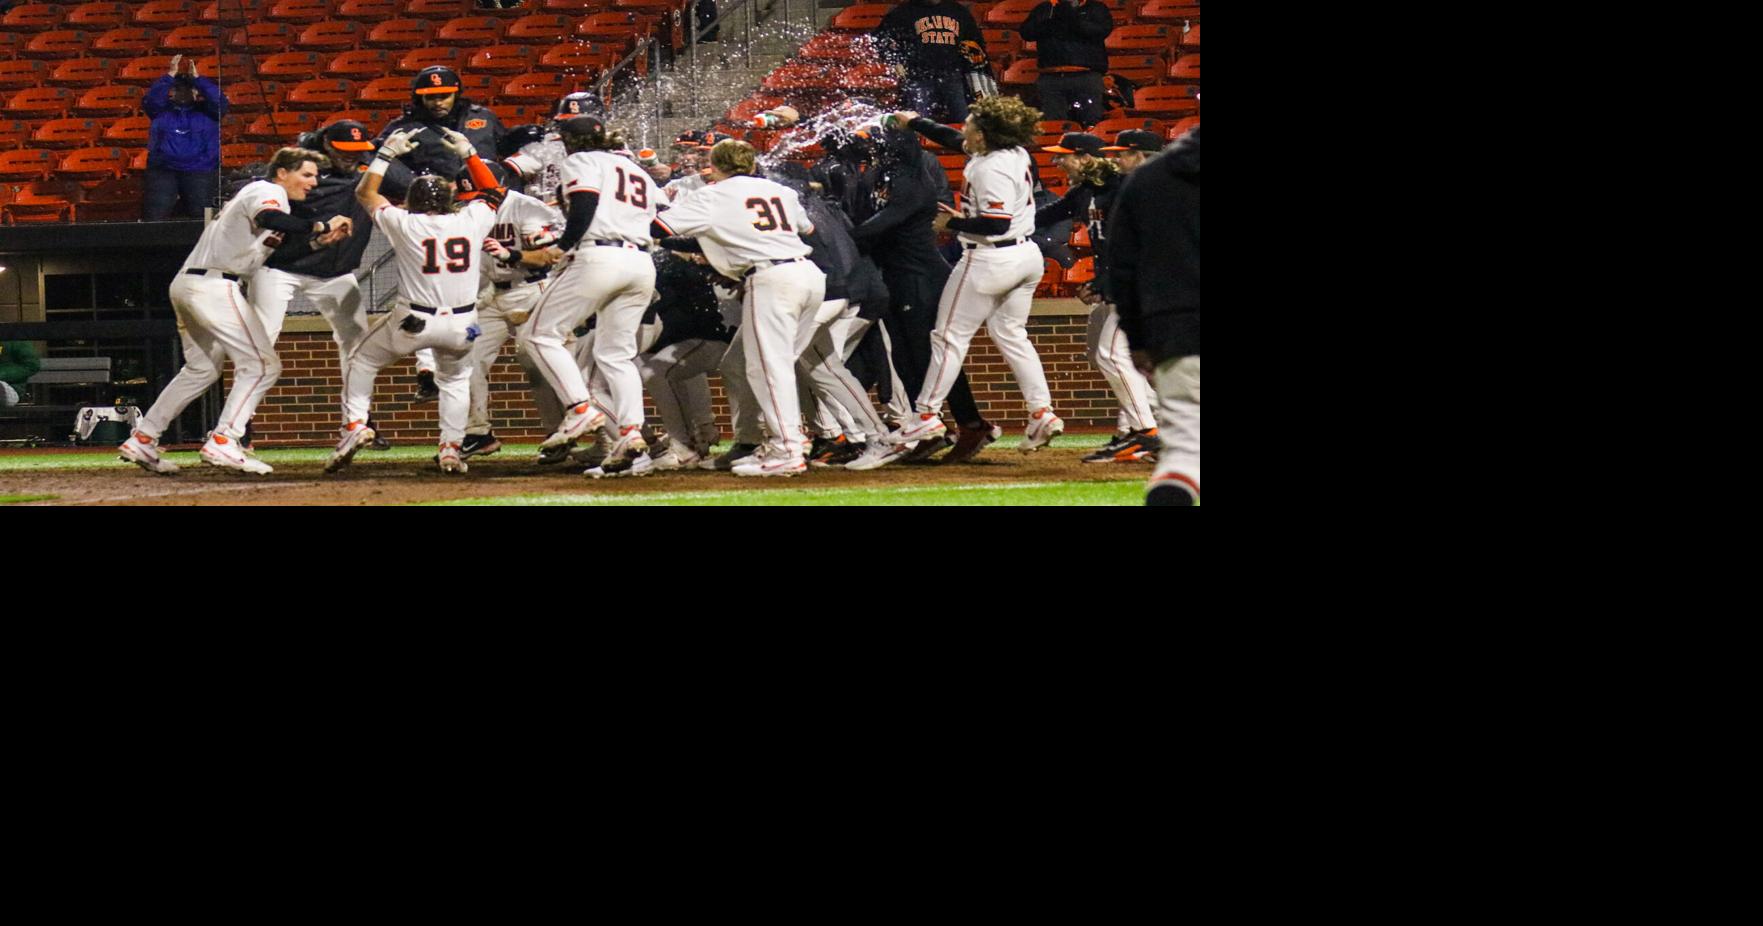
<point>457,250</point>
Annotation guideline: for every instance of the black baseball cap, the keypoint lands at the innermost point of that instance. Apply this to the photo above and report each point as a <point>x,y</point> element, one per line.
<point>1136,140</point>
<point>348,135</point>
<point>711,138</point>
<point>583,124</point>
<point>435,79</point>
<point>1077,143</point>
<point>690,138</point>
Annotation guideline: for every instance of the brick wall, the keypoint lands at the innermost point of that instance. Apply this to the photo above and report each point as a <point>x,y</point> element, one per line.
<point>305,405</point>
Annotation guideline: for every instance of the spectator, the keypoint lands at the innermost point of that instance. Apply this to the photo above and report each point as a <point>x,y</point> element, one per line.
<point>924,40</point>
<point>1069,36</point>
<point>18,362</point>
<point>183,144</point>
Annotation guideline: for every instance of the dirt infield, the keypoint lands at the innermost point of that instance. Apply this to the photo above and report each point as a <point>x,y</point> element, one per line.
<point>385,479</point>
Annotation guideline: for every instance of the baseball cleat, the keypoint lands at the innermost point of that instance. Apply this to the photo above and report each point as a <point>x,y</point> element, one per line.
<point>920,452</point>
<point>972,441</point>
<point>727,461</point>
<point>479,445</point>
<point>426,390</point>
<point>1127,448</point>
<point>1042,428</point>
<point>451,460</point>
<point>222,451</point>
<point>143,451</point>
<point>877,454</point>
<point>640,465</point>
<point>379,440</point>
<point>629,445</point>
<point>356,435</point>
<point>579,420</point>
<point>762,464</point>
<point>821,451</point>
<point>675,458</point>
<point>925,427</point>
<point>551,456</point>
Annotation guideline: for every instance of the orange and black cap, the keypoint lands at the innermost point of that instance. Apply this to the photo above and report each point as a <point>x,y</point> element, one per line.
<point>1137,140</point>
<point>1077,143</point>
<point>348,135</point>
<point>435,79</point>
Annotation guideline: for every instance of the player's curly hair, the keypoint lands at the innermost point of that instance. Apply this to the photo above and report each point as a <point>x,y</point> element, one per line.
<point>1005,121</point>
<point>1097,171</point>
<point>292,158</point>
<point>733,156</point>
<point>587,133</point>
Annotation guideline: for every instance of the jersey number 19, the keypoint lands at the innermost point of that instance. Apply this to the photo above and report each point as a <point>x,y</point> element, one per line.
<point>458,252</point>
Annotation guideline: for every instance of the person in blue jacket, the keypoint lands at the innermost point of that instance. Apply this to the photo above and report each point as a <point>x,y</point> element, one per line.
<point>183,144</point>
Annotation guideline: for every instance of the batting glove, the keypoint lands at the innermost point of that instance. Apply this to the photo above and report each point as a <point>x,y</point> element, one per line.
<point>458,143</point>
<point>397,145</point>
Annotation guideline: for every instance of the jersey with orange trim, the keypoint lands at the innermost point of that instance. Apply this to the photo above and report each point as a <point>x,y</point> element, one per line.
<point>627,195</point>
<point>1000,184</point>
<point>234,243</point>
<point>438,256</point>
<point>522,224</point>
<point>741,220</point>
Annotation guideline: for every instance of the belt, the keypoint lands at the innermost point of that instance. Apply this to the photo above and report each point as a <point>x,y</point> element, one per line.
<point>427,310</point>
<point>786,260</point>
<point>1064,69</point>
<point>994,244</point>
<point>510,284</point>
<point>202,273</point>
<point>603,243</point>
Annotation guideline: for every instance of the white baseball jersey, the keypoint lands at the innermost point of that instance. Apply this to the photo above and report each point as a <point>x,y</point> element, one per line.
<point>540,163</point>
<point>743,220</point>
<point>522,224</point>
<point>686,184</point>
<point>234,243</point>
<point>438,256</point>
<point>627,195</point>
<point>1000,184</point>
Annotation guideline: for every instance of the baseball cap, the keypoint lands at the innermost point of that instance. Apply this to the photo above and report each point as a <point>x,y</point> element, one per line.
<point>348,135</point>
<point>580,103</point>
<point>436,79</point>
<point>1136,140</point>
<point>1077,143</point>
<point>710,139</point>
<point>583,124</point>
<point>690,138</point>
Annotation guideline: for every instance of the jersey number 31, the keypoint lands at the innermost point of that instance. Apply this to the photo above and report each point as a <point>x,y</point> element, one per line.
<point>766,220</point>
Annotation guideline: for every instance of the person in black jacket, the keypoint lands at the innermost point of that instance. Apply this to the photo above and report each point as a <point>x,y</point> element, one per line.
<point>1069,37</point>
<point>436,103</point>
<point>676,367</point>
<point>1154,273</point>
<point>927,41</point>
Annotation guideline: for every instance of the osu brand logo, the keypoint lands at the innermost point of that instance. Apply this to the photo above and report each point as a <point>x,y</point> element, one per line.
<point>355,134</point>
<point>435,79</point>
<point>476,124</point>
<point>575,106</point>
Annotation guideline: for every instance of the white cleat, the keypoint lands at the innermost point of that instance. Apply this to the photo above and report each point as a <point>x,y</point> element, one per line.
<point>923,427</point>
<point>877,454</point>
<point>764,464</point>
<point>1042,428</point>
<point>640,465</point>
<point>356,435</point>
<point>450,459</point>
<point>143,451</point>
<point>224,452</point>
<point>579,420</point>
<point>673,458</point>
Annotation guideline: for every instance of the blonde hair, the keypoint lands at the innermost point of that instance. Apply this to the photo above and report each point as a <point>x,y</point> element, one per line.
<point>292,158</point>
<point>732,156</point>
<point>1005,121</point>
<point>1096,171</point>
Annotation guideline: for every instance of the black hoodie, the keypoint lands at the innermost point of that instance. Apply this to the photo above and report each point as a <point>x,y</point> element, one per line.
<point>1067,36</point>
<point>1154,252</point>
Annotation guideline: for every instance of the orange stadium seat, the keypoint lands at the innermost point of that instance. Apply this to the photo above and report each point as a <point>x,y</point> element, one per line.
<point>470,31</point>
<point>539,29</point>
<point>93,164</point>
<point>1056,127</point>
<point>26,164</point>
<point>1190,40</point>
<point>1140,69</point>
<point>438,10</point>
<point>167,14</point>
<point>576,7</point>
<point>370,11</point>
<point>263,38</point>
<point>1182,127</point>
<point>276,127</point>
<point>17,75</point>
<point>35,17</point>
<point>401,33</point>
<point>244,154</point>
<point>190,40</point>
<point>503,59</point>
<point>534,87</point>
<point>143,70</point>
<point>389,92</point>
<point>615,27</point>
<point>138,163</point>
<point>331,35</point>
<point>577,58</point>
<point>115,200</point>
<point>129,131</point>
<point>1167,101</point>
<point>1108,128</point>
<point>1010,13</point>
<point>373,120</point>
<point>10,43</point>
<point>40,103</point>
<point>57,44</point>
<point>361,64</point>
<point>1002,44</point>
<point>1050,273</point>
<point>513,114</point>
<point>114,100</point>
<point>863,17</point>
<point>298,65</point>
<point>979,11</point>
<point>1021,71</point>
<point>126,42</point>
<point>98,15</point>
<point>84,72</point>
<point>66,133</point>
<point>300,12</point>
<point>654,7</point>
<point>1168,11</point>
<point>224,70</point>
<point>479,87</point>
<point>15,132</point>
<point>232,12</point>
<point>1185,69</point>
<point>1084,269</point>
<point>255,96</point>
<point>1150,38</point>
<point>441,56</point>
<point>322,93</point>
<point>42,201</point>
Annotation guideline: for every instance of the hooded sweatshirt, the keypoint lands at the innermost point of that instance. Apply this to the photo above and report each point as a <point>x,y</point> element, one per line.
<point>1155,253</point>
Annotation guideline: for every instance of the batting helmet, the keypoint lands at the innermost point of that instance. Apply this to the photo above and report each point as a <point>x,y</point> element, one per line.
<point>468,189</point>
<point>429,194</point>
<point>580,103</point>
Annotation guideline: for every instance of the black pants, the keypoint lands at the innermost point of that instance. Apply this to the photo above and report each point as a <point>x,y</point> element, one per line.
<point>916,288</point>
<point>162,189</point>
<point>1078,96</point>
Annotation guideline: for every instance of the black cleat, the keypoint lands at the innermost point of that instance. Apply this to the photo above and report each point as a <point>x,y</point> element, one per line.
<point>726,462</point>
<point>379,438</point>
<point>554,455</point>
<point>820,452</point>
<point>1127,448</point>
<point>927,448</point>
<point>426,390</point>
<point>842,454</point>
<point>479,445</point>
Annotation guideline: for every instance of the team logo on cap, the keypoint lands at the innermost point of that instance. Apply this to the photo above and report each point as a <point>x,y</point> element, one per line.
<point>575,106</point>
<point>354,134</point>
<point>435,79</point>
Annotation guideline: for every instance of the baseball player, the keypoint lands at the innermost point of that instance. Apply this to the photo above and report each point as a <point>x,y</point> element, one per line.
<point>540,163</point>
<point>508,291</point>
<point>611,202</point>
<point>216,322</point>
<point>437,252</point>
<point>1095,185</point>
<point>750,230</point>
<point>995,281</point>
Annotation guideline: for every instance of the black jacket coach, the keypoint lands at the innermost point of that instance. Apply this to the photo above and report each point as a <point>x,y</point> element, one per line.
<point>334,195</point>
<point>1070,36</point>
<point>431,156</point>
<point>1155,253</point>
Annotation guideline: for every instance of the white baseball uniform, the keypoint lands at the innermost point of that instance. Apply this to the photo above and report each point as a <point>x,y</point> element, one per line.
<point>749,229</point>
<point>216,322</point>
<point>609,273</point>
<point>993,284</point>
<point>439,267</point>
<point>540,165</point>
<point>508,292</point>
<point>1113,357</point>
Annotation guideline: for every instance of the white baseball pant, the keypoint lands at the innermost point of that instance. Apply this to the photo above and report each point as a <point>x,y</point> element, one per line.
<point>337,298</point>
<point>1113,357</point>
<point>676,378</point>
<point>216,323</point>
<point>743,406</point>
<point>994,287</point>
<point>1178,417</point>
<point>446,335</point>
<point>822,368</point>
<point>549,405</point>
<point>494,306</point>
<point>778,295</point>
<point>614,283</point>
